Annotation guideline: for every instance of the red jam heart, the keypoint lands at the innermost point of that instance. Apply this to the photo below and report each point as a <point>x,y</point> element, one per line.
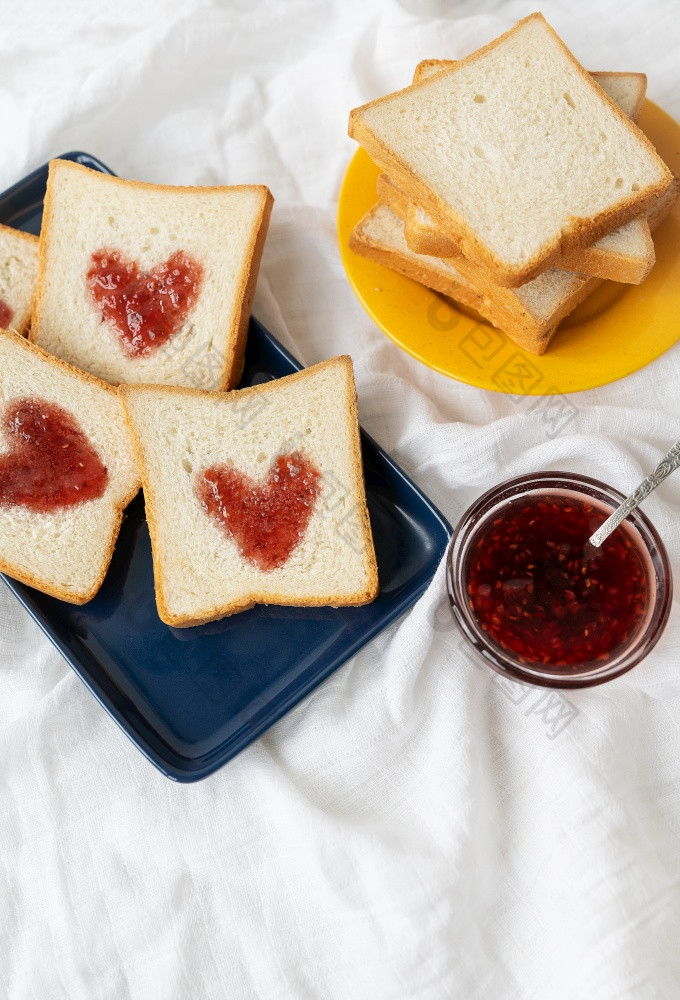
<point>146,308</point>
<point>50,464</point>
<point>541,591</point>
<point>6,315</point>
<point>266,521</point>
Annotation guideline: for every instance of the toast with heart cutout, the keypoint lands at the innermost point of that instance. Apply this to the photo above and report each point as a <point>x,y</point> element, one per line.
<point>67,472</point>
<point>18,277</point>
<point>148,283</point>
<point>255,496</point>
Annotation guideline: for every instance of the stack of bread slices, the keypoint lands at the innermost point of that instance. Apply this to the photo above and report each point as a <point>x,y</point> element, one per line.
<point>514,181</point>
<point>139,301</point>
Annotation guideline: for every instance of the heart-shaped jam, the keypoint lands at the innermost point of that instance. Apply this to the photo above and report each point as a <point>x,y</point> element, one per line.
<point>145,308</point>
<point>6,315</point>
<point>266,520</point>
<point>50,463</point>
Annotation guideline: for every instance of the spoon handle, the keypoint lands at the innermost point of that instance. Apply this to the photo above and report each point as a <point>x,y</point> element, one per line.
<point>668,464</point>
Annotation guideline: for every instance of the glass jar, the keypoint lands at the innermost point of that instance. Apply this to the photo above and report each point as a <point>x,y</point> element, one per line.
<point>497,504</point>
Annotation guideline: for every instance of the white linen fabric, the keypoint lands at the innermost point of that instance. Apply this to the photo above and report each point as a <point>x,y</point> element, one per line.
<point>415,828</point>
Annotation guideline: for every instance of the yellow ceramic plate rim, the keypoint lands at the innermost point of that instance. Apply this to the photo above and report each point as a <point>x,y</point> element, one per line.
<point>618,330</point>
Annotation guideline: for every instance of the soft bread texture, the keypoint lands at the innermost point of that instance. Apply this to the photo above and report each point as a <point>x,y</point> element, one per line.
<point>18,274</point>
<point>66,553</point>
<point>200,574</point>
<point>528,315</point>
<point>223,228</point>
<point>626,254</point>
<point>516,152</point>
<point>625,89</point>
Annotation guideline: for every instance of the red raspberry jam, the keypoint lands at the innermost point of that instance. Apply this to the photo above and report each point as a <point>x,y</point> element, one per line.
<point>146,308</point>
<point>6,315</point>
<point>268,520</point>
<point>50,463</point>
<point>540,590</point>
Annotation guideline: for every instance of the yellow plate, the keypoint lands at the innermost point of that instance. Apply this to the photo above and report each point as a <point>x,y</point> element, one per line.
<point>617,330</point>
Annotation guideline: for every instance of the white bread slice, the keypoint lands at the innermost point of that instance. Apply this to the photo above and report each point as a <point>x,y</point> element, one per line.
<point>626,254</point>
<point>222,229</point>
<point>66,552</point>
<point>516,152</point>
<point>18,275</point>
<point>528,315</point>
<point>200,573</point>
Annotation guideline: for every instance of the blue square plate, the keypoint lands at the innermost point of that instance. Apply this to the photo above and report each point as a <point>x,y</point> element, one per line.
<point>191,699</point>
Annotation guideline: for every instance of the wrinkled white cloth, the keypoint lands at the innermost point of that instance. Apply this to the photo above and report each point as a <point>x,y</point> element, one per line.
<point>413,829</point>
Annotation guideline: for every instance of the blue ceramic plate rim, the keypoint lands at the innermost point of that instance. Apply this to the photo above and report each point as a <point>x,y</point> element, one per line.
<point>20,200</point>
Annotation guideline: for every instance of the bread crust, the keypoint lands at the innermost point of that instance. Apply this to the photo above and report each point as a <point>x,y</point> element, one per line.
<point>576,234</point>
<point>38,583</point>
<point>593,260</point>
<point>499,305</point>
<point>608,264</point>
<point>247,285</point>
<point>491,303</point>
<point>247,601</point>
<point>598,75</point>
<point>238,332</point>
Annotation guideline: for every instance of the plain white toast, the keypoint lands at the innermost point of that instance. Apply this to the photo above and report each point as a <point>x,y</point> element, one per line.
<point>516,153</point>
<point>626,254</point>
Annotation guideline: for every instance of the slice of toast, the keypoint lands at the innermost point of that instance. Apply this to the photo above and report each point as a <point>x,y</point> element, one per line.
<point>625,255</point>
<point>255,496</point>
<point>18,276</point>
<point>516,153</point>
<point>528,315</point>
<point>148,283</point>
<point>58,529</point>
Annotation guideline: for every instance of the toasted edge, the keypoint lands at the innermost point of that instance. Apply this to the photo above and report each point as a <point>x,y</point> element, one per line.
<point>578,233</point>
<point>46,587</point>
<point>611,265</point>
<point>533,339</point>
<point>250,600</point>
<point>592,261</point>
<point>238,333</point>
<point>490,301</point>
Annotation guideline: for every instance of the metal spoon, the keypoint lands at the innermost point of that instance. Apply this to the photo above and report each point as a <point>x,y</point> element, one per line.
<point>669,463</point>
